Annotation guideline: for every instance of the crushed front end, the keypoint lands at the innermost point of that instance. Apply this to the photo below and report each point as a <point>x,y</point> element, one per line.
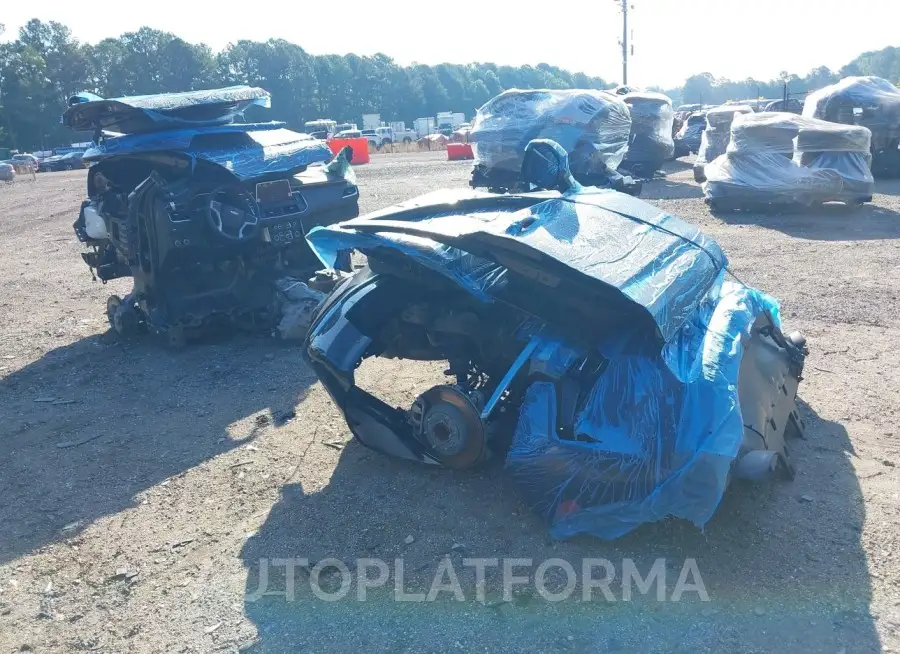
<point>208,215</point>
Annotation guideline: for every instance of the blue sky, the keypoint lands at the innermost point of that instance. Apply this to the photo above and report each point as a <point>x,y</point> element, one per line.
<point>672,38</point>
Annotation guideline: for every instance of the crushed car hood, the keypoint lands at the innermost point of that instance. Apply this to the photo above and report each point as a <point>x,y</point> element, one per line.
<point>146,113</point>
<point>594,239</point>
<point>247,150</point>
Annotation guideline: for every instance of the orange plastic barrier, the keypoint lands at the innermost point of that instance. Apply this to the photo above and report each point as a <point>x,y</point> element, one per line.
<point>458,151</point>
<point>359,146</point>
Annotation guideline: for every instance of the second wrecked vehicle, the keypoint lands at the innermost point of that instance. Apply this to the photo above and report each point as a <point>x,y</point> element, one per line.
<point>207,214</point>
<point>650,143</point>
<point>592,126</point>
<point>594,339</point>
<point>870,102</point>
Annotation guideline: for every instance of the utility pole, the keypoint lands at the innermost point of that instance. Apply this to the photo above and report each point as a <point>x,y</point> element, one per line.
<point>624,41</point>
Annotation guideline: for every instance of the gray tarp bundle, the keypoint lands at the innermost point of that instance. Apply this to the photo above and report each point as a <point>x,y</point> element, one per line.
<point>779,158</point>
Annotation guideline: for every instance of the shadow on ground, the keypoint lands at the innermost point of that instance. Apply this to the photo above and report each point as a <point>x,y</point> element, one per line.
<point>91,424</point>
<point>678,165</point>
<point>887,186</point>
<point>782,564</point>
<point>830,222</point>
<point>668,189</point>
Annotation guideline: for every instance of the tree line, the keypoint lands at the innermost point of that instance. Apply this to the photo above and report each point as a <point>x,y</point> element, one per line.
<point>45,65</point>
<point>705,88</point>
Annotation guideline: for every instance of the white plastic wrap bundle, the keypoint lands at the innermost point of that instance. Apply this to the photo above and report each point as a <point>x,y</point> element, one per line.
<point>871,102</point>
<point>651,139</point>
<point>763,165</point>
<point>845,149</point>
<point>716,136</point>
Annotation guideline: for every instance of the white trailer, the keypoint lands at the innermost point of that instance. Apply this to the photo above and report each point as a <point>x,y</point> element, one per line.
<point>424,126</point>
<point>371,121</point>
<point>445,120</point>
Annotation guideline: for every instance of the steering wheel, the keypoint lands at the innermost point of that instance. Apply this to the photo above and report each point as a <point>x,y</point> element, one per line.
<point>233,213</point>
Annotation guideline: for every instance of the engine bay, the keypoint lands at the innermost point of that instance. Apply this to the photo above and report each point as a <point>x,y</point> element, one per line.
<point>202,246</point>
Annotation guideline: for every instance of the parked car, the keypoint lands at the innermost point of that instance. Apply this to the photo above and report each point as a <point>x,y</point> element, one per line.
<point>348,134</point>
<point>593,340</point>
<point>45,165</point>
<point>793,106</point>
<point>7,172</point>
<point>70,161</point>
<point>207,215</point>
<point>26,159</point>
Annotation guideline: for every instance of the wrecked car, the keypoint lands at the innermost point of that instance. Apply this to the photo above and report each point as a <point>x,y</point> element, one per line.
<point>715,138</point>
<point>206,214</point>
<point>595,341</point>
<point>650,142</point>
<point>592,126</point>
<point>778,160</point>
<point>871,102</point>
<point>687,140</point>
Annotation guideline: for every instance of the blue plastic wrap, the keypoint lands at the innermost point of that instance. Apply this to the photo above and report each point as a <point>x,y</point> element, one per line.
<point>592,126</point>
<point>657,435</point>
<point>655,260</point>
<point>247,150</point>
<point>144,113</point>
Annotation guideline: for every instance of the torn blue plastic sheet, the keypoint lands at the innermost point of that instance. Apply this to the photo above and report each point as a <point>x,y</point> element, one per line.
<point>657,435</point>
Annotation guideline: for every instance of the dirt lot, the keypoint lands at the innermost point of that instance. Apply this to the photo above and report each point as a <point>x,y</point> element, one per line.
<point>141,487</point>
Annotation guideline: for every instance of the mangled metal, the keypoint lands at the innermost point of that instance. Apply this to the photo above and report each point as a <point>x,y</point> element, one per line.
<point>595,339</point>
<point>205,213</point>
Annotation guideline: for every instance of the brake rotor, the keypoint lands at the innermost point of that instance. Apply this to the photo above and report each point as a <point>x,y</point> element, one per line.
<point>451,425</point>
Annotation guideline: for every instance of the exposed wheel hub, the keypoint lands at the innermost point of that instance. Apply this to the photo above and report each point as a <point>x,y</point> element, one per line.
<point>450,424</point>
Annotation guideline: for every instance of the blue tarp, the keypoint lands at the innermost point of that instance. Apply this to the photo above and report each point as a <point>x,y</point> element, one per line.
<point>247,150</point>
<point>657,435</point>
<point>145,113</point>
<point>655,260</point>
<point>658,431</point>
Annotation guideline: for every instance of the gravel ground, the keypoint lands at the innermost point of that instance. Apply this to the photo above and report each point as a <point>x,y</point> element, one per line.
<point>141,487</point>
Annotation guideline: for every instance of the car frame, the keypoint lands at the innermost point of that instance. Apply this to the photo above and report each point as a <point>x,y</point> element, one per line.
<point>572,320</point>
